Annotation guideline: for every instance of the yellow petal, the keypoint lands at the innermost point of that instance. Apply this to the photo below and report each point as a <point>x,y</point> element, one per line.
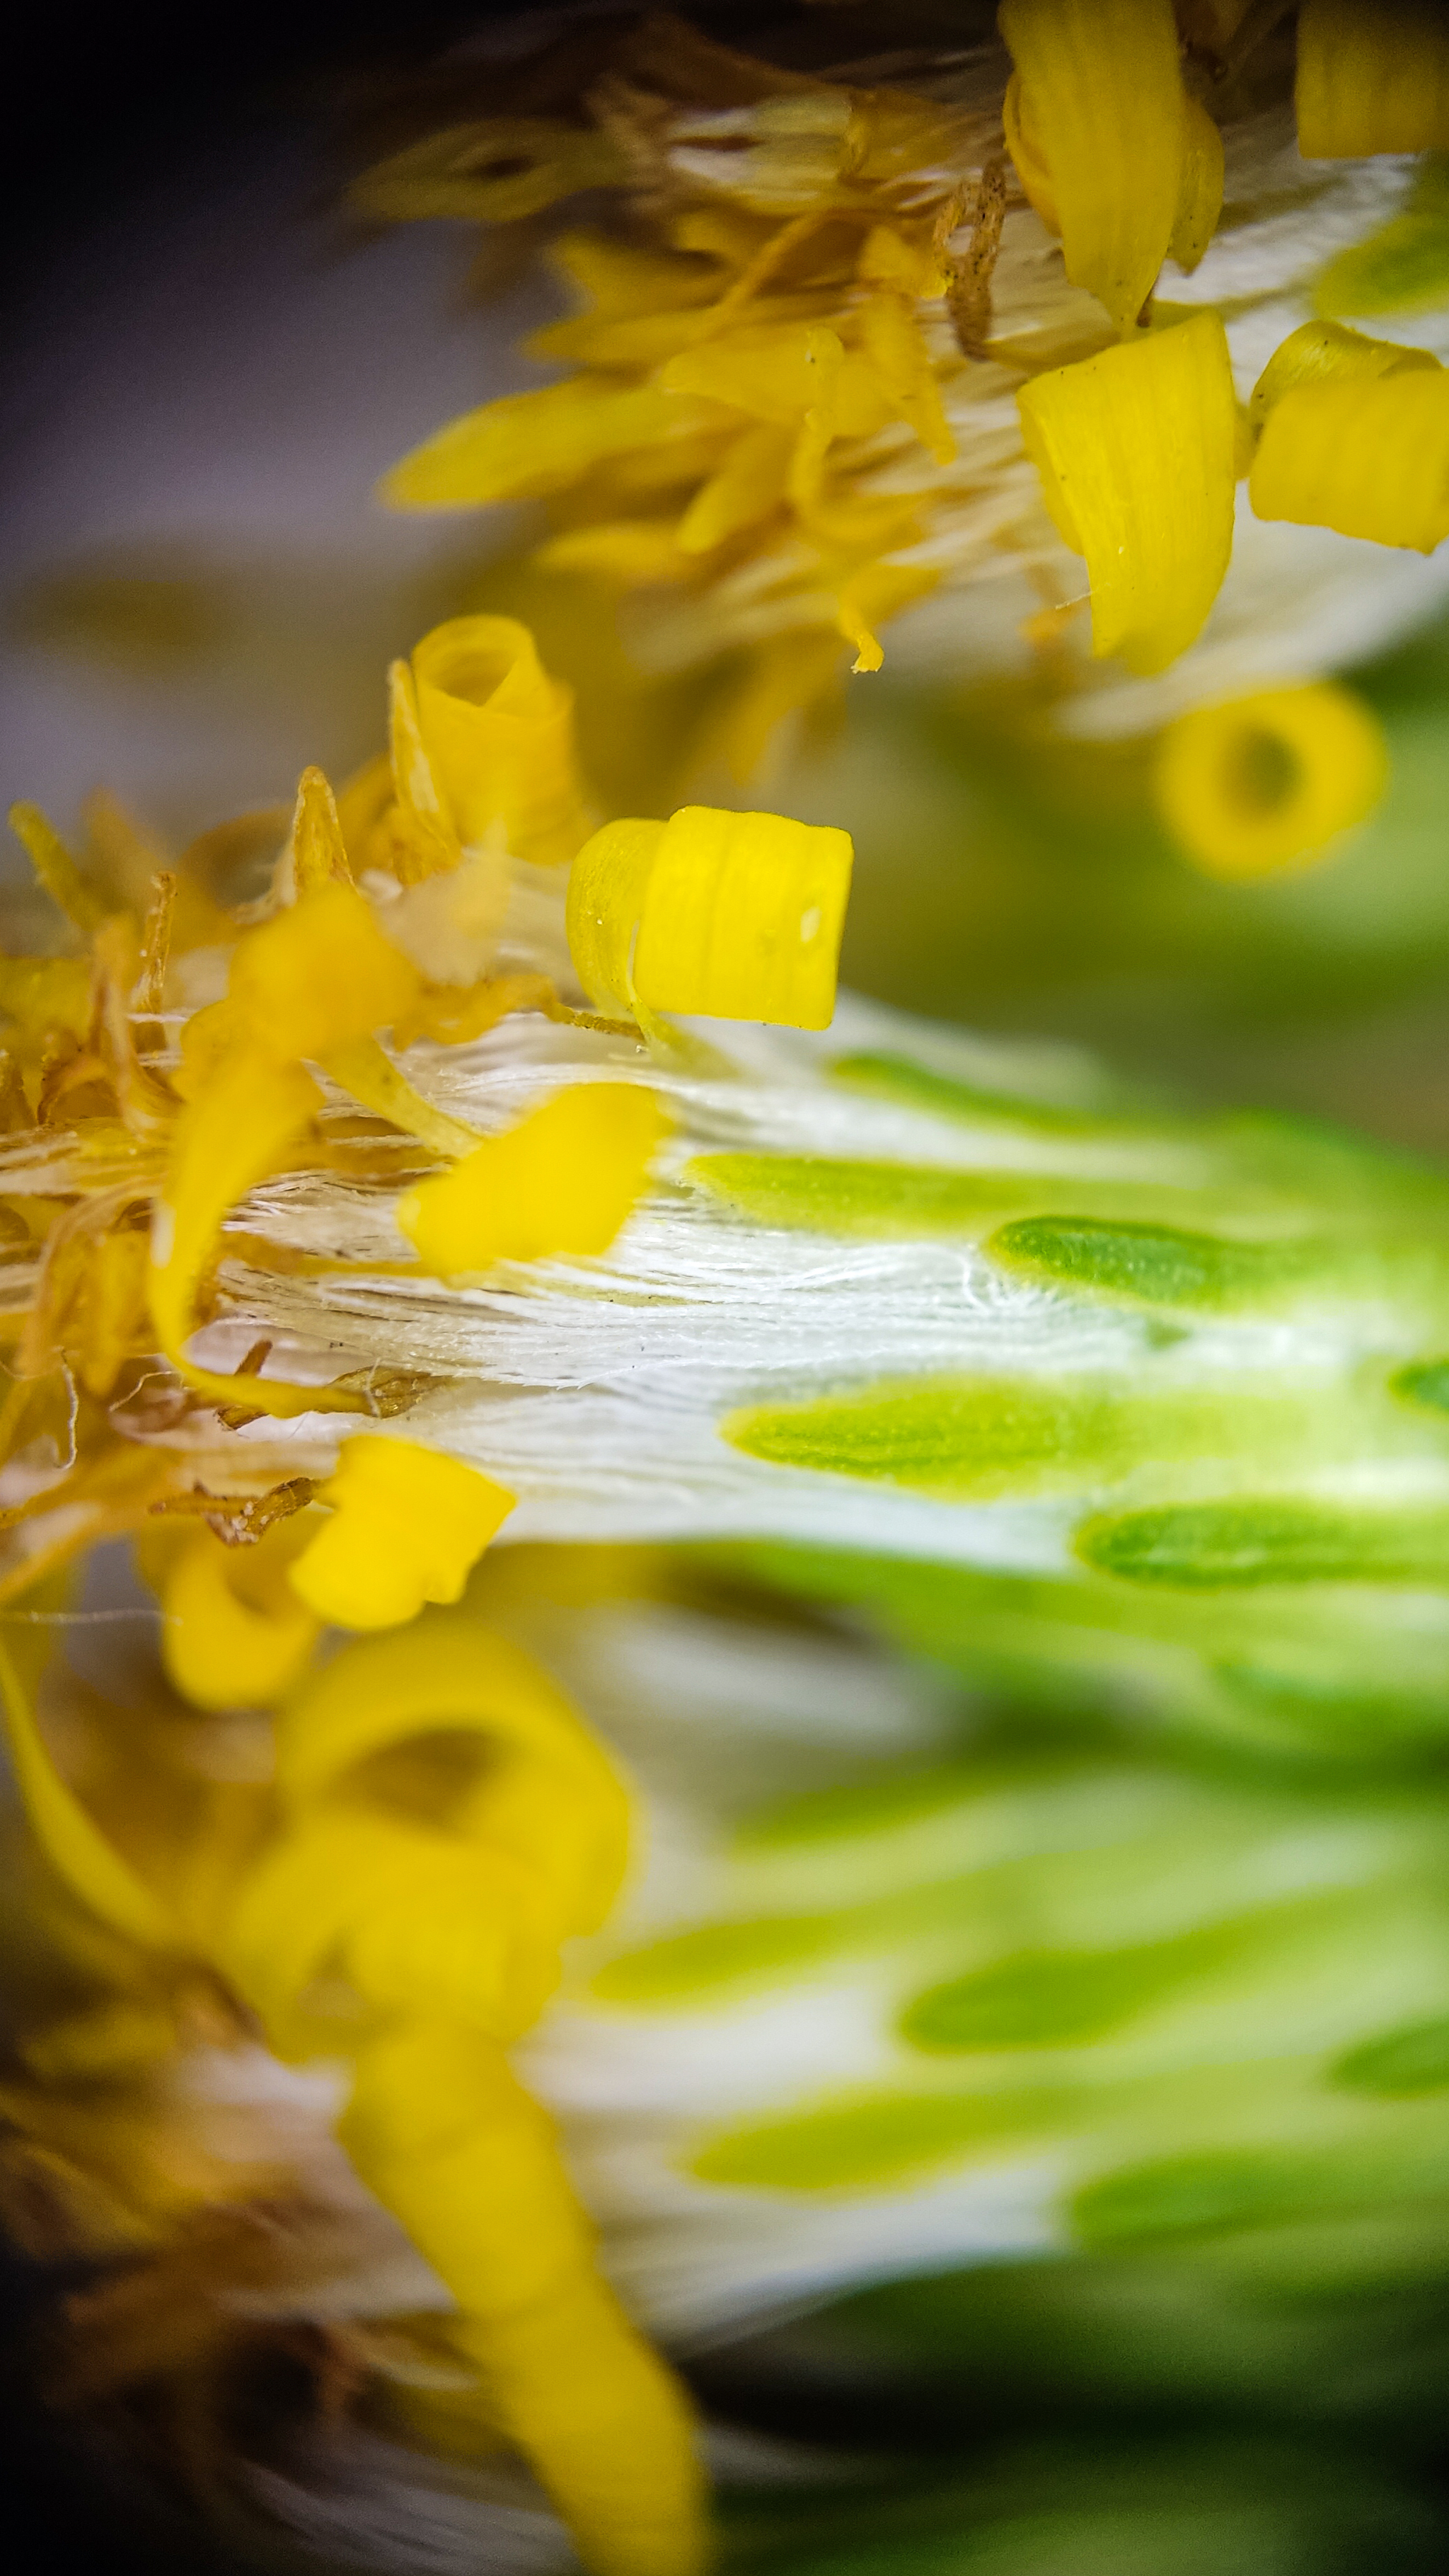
<point>621,281</point>
<point>569,2380</point>
<point>1369,458</point>
<point>1200,194</point>
<point>562,1181</point>
<point>56,870</point>
<point>1028,160</point>
<point>495,171</point>
<point>408,1525</point>
<point>235,1132</point>
<point>748,486</point>
<point>734,916</point>
<point>549,1793</point>
<point>75,1847</point>
<point>900,260</point>
<point>219,1649</point>
<point>636,553</point>
<point>893,345</point>
<point>776,371</point>
<point>742,918</point>
<point>528,444</point>
<point>1328,353</point>
<point>319,852</point>
<point>499,733</point>
<point>1102,98</point>
<point>1135,449</point>
<point>608,884</point>
<point>419,825</point>
<point>1373,76</point>
<point>874,595</point>
<point>317,975</point>
<point>1267,782</point>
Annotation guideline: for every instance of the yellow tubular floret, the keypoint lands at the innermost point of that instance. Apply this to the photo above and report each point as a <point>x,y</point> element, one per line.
<point>1135,449</point>
<point>1373,76</point>
<point>1268,782</point>
<point>1102,102</point>
<point>529,444</point>
<point>499,733</point>
<point>562,1181</point>
<point>1323,353</point>
<point>408,1526</point>
<point>76,1849</point>
<point>1369,457</point>
<point>732,916</point>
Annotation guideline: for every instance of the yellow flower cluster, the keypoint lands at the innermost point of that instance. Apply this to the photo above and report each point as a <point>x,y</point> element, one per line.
<point>142,1105</point>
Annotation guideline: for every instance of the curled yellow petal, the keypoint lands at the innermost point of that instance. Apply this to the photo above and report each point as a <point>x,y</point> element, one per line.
<point>1136,452</point>
<point>562,1181</point>
<point>499,734</point>
<point>75,1847</point>
<point>548,1793</point>
<point>408,1525</point>
<point>1371,78</point>
<point>733,916</point>
<point>1267,782</point>
<point>233,1635</point>
<point>1102,101</point>
<point>1324,353</point>
<point>1369,458</point>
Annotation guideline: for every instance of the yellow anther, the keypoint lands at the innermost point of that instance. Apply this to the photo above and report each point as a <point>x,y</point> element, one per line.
<point>562,1181</point>
<point>499,735</point>
<point>733,916</point>
<point>408,1525</point>
<point>1136,452</point>
<point>316,976</point>
<point>1369,457</point>
<point>1269,782</point>
<point>233,1634</point>
<point>1326,353</point>
<point>1372,78</point>
<point>1100,134</point>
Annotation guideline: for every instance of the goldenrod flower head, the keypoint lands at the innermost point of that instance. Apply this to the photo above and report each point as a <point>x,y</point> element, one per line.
<point>852,352</point>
